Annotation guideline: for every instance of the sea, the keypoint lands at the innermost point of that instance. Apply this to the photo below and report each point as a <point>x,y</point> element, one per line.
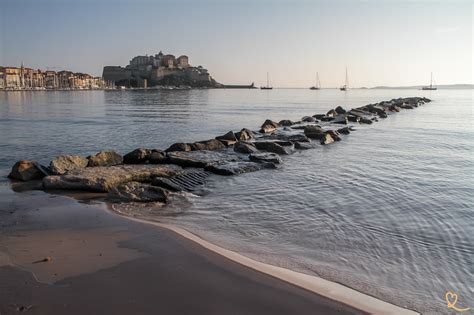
<point>388,211</point>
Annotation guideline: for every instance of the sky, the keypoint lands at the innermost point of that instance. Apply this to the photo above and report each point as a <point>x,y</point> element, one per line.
<point>393,43</point>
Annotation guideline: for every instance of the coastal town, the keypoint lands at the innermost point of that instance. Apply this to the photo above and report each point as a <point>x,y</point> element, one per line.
<point>141,72</point>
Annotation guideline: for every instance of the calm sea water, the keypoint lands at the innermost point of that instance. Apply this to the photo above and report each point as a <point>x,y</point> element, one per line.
<point>388,211</point>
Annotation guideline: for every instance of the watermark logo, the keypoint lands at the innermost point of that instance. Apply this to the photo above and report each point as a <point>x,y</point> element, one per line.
<point>452,300</point>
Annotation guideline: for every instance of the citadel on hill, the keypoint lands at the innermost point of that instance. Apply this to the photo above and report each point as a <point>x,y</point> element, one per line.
<point>160,69</point>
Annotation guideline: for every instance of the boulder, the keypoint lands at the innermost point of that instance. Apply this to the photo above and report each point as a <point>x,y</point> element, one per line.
<point>65,163</point>
<point>176,147</point>
<point>407,106</point>
<point>228,139</point>
<point>271,147</point>
<point>245,134</point>
<point>158,157</point>
<point>286,123</point>
<point>344,131</point>
<point>265,157</point>
<point>188,181</point>
<point>394,108</point>
<point>210,145</point>
<point>308,119</point>
<point>340,110</point>
<point>326,139</point>
<point>105,158</point>
<point>200,158</point>
<point>334,135</point>
<point>303,146</point>
<point>332,113</point>
<point>314,132</point>
<point>237,167</point>
<point>244,147</point>
<point>298,138</point>
<point>269,126</point>
<point>364,120</point>
<point>102,179</point>
<point>353,118</point>
<point>26,170</point>
<point>340,119</point>
<point>137,156</point>
<point>319,116</point>
<point>138,192</point>
<point>327,118</point>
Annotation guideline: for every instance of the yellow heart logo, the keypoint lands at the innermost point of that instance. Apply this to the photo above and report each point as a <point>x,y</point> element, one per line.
<point>451,299</point>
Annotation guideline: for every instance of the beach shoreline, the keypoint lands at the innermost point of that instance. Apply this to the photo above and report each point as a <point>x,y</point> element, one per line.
<point>88,240</point>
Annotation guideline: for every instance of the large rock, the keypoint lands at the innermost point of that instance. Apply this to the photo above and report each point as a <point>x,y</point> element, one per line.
<point>237,167</point>
<point>138,192</point>
<point>200,158</point>
<point>286,123</point>
<point>340,119</point>
<point>244,134</point>
<point>332,113</point>
<point>137,156</point>
<point>271,146</point>
<point>188,181</point>
<point>210,145</point>
<point>326,139</point>
<point>26,170</point>
<point>308,119</point>
<point>65,163</point>
<point>340,110</point>
<point>265,157</point>
<point>244,147</point>
<point>345,130</point>
<point>298,138</point>
<point>314,132</point>
<point>105,158</point>
<point>269,126</point>
<point>303,146</point>
<point>102,179</point>
<point>228,139</point>
<point>334,135</point>
<point>176,147</point>
<point>158,157</point>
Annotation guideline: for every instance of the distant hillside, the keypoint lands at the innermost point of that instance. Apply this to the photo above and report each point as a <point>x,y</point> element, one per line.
<point>441,87</point>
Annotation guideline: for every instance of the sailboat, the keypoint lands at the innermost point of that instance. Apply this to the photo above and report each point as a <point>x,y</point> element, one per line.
<point>345,87</point>
<point>318,84</point>
<point>268,87</point>
<point>431,87</point>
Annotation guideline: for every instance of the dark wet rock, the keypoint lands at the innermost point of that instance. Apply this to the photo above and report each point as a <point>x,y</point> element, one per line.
<point>210,145</point>
<point>377,110</point>
<point>237,167</point>
<point>364,120</point>
<point>353,118</point>
<point>308,119</point>
<point>269,126</point>
<point>339,110</point>
<point>228,139</point>
<point>331,113</point>
<point>265,157</point>
<point>394,108</point>
<point>326,139</point>
<point>407,106</point>
<point>300,127</point>
<point>105,158</point>
<point>178,147</point>
<point>158,157</point>
<point>327,118</point>
<point>303,146</point>
<point>102,179</point>
<point>138,192</point>
<point>340,119</point>
<point>298,138</point>
<point>286,122</point>
<point>344,131</point>
<point>200,158</point>
<point>244,147</point>
<point>137,156</point>
<point>270,146</point>
<point>319,116</point>
<point>245,134</point>
<point>334,135</point>
<point>65,163</point>
<point>26,170</point>
<point>188,181</point>
<point>314,132</point>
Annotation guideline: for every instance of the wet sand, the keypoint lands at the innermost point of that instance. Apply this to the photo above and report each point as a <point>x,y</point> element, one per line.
<point>102,263</point>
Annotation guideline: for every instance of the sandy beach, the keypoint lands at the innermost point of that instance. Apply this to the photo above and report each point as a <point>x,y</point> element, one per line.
<point>61,256</point>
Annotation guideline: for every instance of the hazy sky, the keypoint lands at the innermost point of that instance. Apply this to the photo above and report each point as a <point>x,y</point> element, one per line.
<point>381,42</point>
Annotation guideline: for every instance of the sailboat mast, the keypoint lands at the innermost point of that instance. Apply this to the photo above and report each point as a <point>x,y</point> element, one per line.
<point>347,80</point>
<point>268,81</point>
<point>318,84</point>
<point>431,81</point>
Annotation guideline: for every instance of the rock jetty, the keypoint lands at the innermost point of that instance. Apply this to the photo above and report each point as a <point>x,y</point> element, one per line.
<point>151,175</point>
